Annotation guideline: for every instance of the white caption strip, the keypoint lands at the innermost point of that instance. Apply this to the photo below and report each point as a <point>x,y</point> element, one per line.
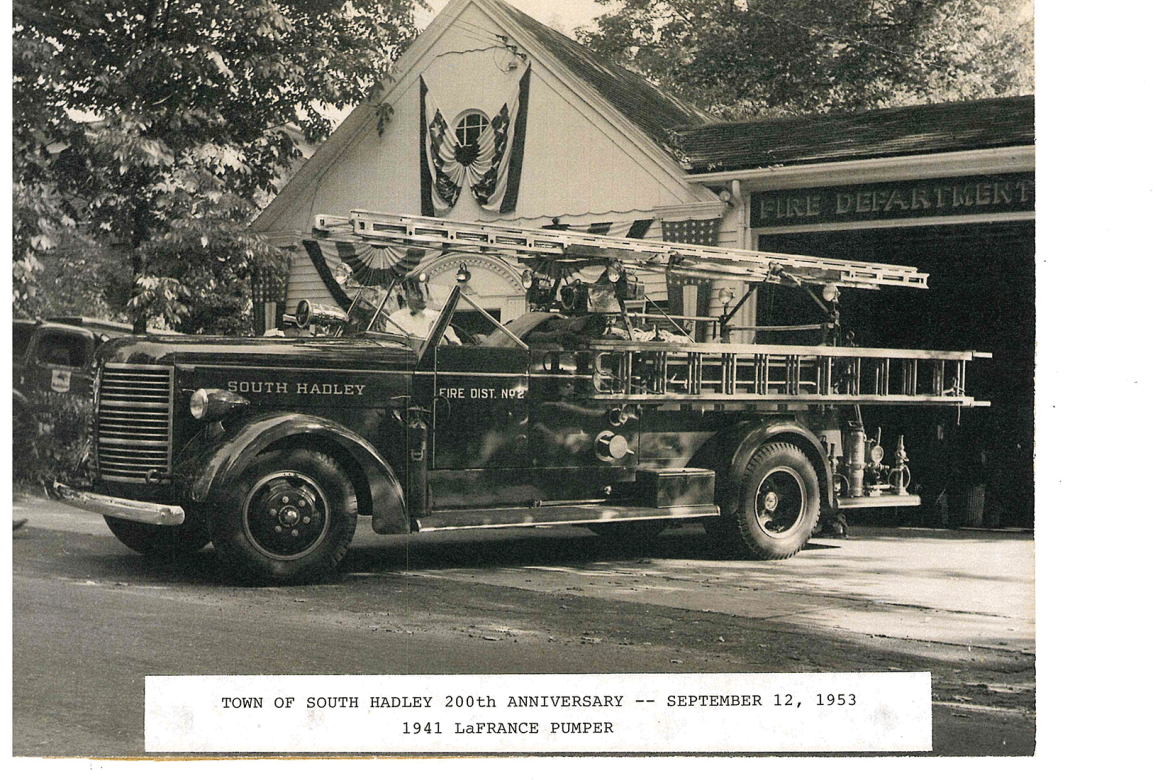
<point>587,713</point>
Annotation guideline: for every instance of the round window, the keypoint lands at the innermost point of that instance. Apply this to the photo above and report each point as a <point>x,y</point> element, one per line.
<point>469,127</point>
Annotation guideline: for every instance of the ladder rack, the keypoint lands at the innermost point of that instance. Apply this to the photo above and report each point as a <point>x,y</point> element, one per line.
<point>726,373</point>
<point>688,260</point>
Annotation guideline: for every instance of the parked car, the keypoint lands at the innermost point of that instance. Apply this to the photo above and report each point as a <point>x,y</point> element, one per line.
<point>55,355</point>
<point>52,363</point>
<point>51,357</point>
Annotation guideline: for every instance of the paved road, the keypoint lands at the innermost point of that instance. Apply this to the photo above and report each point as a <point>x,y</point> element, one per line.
<point>91,619</point>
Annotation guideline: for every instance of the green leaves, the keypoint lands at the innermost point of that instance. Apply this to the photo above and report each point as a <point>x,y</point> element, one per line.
<point>161,126</point>
<point>746,58</point>
<point>159,297</point>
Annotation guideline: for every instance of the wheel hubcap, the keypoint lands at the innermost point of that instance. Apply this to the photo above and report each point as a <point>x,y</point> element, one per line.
<point>286,515</point>
<point>780,501</point>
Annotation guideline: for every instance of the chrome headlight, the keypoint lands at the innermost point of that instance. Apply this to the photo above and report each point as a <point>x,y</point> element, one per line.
<point>214,404</point>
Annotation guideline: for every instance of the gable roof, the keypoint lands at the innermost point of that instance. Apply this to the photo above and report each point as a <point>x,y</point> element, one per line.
<point>699,142</point>
<point>646,107</point>
<point>890,132</point>
<point>653,110</point>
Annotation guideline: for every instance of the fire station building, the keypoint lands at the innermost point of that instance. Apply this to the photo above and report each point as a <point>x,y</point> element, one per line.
<point>491,116</point>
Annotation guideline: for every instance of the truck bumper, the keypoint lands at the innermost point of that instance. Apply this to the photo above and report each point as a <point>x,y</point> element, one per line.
<point>124,508</point>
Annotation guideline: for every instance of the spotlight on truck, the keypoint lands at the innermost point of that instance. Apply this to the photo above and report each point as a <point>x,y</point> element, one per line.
<point>309,313</point>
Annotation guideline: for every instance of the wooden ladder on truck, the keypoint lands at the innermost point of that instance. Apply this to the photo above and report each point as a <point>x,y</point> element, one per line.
<point>683,260</point>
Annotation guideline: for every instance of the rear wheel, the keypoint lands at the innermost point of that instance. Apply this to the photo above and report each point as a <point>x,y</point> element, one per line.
<point>161,541</point>
<point>289,518</point>
<point>779,503</point>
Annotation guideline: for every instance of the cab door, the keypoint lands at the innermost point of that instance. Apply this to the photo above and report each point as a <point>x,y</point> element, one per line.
<point>479,409</point>
<point>475,402</point>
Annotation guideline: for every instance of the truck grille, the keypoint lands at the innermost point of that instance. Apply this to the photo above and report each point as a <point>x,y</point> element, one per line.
<point>134,422</point>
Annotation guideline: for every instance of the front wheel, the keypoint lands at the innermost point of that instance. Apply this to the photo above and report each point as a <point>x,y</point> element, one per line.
<point>290,517</point>
<point>161,541</point>
<point>779,503</point>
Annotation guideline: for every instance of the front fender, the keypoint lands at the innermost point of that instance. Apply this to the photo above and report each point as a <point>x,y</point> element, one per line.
<point>749,437</point>
<point>226,460</point>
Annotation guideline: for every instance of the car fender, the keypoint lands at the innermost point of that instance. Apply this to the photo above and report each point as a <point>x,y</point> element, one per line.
<point>226,460</point>
<point>749,437</point>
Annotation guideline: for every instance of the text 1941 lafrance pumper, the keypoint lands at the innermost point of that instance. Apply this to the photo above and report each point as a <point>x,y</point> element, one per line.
<point>592,409</point>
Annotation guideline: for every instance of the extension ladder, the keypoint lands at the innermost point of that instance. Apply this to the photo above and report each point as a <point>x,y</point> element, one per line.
<point>727,373</point>
<point>685,260</point>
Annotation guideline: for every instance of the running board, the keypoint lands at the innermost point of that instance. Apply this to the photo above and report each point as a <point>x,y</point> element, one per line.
<point>863,502</point>
<point>575,514</point>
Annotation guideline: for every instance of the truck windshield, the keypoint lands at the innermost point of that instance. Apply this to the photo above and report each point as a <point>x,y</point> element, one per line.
<point>396,314</point>
<point>365,317</point>
<point>408,314</point>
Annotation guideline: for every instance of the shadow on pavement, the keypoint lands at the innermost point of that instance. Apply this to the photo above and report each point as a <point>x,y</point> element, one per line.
<point>533,548</point>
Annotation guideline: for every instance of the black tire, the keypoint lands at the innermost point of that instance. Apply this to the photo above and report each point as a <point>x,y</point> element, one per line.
<point>161,541</point>
<point>779,503</point>
<point>290,517</point>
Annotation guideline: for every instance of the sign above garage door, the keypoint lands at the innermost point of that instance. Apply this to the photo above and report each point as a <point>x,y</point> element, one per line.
<point>952,197</point>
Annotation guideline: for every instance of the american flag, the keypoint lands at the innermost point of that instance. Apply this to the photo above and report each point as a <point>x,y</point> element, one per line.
<point>692,231</point>
<point>267,287</point>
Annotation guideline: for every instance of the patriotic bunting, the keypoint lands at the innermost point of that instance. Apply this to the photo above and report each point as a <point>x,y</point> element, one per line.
<point>377,266</point>
<point>490,166</point>
<point>630,229</point>
<point>373,265</point>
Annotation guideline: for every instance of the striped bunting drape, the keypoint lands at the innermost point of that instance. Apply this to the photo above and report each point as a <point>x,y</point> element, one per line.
<point>636,228</point>
<point>374,265</point>
<point>378,266</point>
<point>491,166</point>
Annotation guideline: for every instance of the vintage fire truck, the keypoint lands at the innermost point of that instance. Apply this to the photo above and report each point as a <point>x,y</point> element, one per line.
<point>592,409</point>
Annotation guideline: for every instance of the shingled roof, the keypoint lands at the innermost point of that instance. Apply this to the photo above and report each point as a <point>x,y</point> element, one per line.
<point>653,110</point>
<point>704,145</point>
<point>891,132</point>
